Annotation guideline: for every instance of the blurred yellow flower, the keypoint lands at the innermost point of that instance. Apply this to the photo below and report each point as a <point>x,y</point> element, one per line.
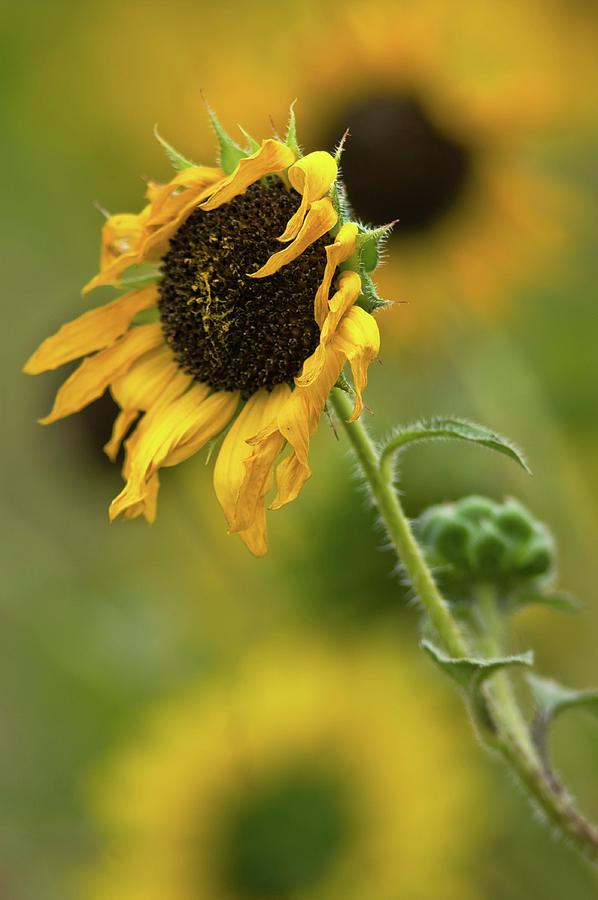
<point>242,333</point>
<point>313,773</point>
<point>449,101</point>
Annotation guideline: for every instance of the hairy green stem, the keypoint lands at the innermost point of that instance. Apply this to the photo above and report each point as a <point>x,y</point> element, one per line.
<point>511,737</point>
<point>400,530</point>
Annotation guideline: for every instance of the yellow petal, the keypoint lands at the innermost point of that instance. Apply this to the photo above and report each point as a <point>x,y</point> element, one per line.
<point>96,372</point>
<point>242,473</point>
<point>131,239</point>
<point>122,423</point>
<point>170,433</point>
<point>254,537</point>
<point>348,291</point>
<point>272,157</point>
<point>311,177</point>
<point>343,247</point>
<point>153,379</point>
<point>147,506</point>
<point>298,422</point>
<point>195,177</point>
<point>358,338</point>
<point>94,330</point>
<point>319,220</point>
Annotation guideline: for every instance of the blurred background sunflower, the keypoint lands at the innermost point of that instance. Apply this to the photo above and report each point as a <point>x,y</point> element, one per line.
<point>499,271</point>
<point>305,771</point>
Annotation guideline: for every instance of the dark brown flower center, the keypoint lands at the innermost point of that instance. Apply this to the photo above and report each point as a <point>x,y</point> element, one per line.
<point>399,164</point>
<point>227,330</point>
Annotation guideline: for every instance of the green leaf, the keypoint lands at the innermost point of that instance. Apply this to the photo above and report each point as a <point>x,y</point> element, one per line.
<point>470,672</point>
<point>137,278</point>
<point>147,316</point>
<point>230,152</point>
<point>460,429</point>
<point>559,600</point>
<point>291,135</point>
<point>179,161</point>
<point>552,698</point>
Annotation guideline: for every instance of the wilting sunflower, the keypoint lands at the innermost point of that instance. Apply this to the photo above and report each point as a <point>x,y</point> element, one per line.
<point>230,329</point>
<point>310,773</point>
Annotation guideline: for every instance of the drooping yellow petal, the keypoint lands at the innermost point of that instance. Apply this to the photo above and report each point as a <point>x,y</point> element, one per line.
<point>96,372</point>
<point>94,330</point>
<point>195,178</point>
<point>319,220</point>
<point>242,473</point>
<point>255,537</point>
<point>147,506</point>
<point>272,157</point>
<point>311,177</point>
<point>358,338</point>
<point>121,425</point>
<point>349,288</point>
<point>131,239</point>
<point>168,434</point>
<point>338,252</point>
<point>298,422</point>
<point>121,234</point>
<point>154,379</point>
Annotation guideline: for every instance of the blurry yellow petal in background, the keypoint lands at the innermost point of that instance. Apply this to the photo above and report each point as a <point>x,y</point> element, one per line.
<point>308,772</point>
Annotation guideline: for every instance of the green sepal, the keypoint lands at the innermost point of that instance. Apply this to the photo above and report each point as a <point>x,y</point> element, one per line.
<point>177,159</point>
<point>461,429</point>
<point>252,144</point>
<point>369,299</point>
<point>230,152</point>
<point>338,196</point>
<point>552,698</point>
<point>340,147</point>
<point>291,135</point>
<point>147,316</point>
<point>369,244</point>
<point>470,672</point>
<point>140,276</point>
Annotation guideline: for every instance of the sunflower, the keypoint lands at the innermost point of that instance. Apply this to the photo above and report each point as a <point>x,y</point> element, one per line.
<point>227,329</point>
<point>310,772</point>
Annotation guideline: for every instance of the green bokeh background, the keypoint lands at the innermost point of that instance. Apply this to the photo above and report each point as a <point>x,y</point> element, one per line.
<point>98,621</point>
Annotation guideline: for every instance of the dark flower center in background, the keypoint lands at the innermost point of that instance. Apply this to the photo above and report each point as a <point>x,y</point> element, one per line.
<point>283,836</point>
<point>397,164</point>
<point>228,330</point>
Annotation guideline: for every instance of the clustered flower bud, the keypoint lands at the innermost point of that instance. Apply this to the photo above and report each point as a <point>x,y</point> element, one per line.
<point>477,540</point>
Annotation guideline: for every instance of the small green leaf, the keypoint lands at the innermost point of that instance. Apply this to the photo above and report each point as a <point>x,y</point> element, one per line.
<point>558,600</point>
<point>147,316</point>
<point>179,161</point>
<point>461,429</point>
<point>139,277</point>
<point>230,152</point>
<point>471,672</point>
<point>552,698</point>
<point>291,135</point>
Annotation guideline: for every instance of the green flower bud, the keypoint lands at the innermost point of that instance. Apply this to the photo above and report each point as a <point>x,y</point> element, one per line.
<point>477,541</point>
